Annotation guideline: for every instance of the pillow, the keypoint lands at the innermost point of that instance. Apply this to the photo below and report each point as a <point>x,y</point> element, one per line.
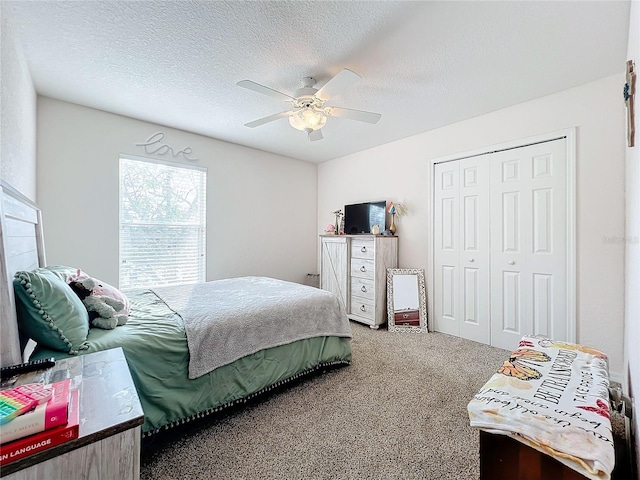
<point>50,312</point>
<point>63,272</point>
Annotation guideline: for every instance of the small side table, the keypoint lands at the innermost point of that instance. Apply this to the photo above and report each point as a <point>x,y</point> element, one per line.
<point>108,446</point>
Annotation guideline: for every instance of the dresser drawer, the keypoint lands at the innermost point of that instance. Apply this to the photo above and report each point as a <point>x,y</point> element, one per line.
<point>364,248</point>
<point>407,318</point>
<point>407,323</point>
<point>362,268</point>
<point>362,307</point>
<point>362,287</point>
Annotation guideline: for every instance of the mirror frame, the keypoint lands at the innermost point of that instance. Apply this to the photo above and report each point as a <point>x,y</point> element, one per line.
<point>422,300</point>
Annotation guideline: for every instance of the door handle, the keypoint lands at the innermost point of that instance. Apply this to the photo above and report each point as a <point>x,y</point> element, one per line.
<point>511,262</point>
<point>472,259</point>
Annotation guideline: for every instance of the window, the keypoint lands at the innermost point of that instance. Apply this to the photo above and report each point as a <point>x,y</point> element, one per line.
<point>162,223</point>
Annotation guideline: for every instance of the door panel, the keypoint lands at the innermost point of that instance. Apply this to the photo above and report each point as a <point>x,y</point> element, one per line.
<point>461,256</point>
<point>542,226</point>
<point>446,249</point>
<point>511,222</point>
<point>511,315</point>
<point>449,297</point>
<point>333,268</point>
<point>471,296</point>
<point>528,212</point>
<point>543,304</point>
<point>474,249</point>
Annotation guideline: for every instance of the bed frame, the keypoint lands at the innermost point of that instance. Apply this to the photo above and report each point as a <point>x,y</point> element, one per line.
<point>21,248</point>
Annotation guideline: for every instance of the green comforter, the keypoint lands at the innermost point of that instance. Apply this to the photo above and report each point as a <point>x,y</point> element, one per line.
<point>155,346</point>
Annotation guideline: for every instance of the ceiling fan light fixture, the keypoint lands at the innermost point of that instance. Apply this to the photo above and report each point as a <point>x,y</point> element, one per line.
<point>308,113</point>
<point>308,118</point>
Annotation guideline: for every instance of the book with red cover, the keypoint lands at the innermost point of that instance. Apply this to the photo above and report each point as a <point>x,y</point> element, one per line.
<point>10,452</point>
<point>43,417</point>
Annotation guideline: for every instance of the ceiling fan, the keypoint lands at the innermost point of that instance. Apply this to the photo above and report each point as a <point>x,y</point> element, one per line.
<point>308,112</point>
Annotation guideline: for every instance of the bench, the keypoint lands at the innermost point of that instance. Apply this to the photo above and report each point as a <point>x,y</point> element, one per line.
<point>545,414</point>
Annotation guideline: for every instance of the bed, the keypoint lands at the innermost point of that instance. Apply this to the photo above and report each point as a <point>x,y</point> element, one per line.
<point>158,339</point>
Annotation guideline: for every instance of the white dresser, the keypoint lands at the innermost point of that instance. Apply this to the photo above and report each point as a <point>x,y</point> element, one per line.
<point>354,267</point>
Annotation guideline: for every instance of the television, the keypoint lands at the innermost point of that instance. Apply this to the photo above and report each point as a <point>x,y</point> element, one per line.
<point>361,217</point>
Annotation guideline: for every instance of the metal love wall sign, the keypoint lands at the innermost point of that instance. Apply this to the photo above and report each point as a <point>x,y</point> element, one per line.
<point>154,145</point>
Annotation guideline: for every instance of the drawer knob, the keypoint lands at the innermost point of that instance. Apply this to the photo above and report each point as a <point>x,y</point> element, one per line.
<point>363,249</point>
<point>363,308</point>
<point>405,315</point>
<point>363,268</point>
<point>363,288</point>
<point>472,259</point>
<point>511,262</point>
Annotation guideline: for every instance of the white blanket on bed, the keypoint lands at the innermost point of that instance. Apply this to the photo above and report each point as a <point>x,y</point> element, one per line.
<point>228,319</point>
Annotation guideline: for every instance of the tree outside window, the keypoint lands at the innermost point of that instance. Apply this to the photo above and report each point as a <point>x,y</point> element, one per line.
<point>162,223</point>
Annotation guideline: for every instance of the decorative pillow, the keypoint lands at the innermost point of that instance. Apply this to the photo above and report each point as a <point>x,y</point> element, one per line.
<point>50,312</point>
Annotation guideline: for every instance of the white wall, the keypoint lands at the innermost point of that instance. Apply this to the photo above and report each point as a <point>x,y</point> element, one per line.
<point>632,253</point>
<point>260,207</point>
<point>17,112</point>
<point>398,171</point>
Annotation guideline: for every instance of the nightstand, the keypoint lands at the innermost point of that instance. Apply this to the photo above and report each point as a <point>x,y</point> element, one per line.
<point>108,446</point>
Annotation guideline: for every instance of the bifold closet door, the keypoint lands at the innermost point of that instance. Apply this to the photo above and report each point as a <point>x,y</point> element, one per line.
<point>500,245</point>
<point>528,243</point>
<point>461,249</point>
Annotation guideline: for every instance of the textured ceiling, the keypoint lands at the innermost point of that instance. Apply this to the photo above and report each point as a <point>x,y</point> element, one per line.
<point>423,64</point>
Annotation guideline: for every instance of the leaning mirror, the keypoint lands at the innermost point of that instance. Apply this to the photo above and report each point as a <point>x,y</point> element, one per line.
<point>406,300</point>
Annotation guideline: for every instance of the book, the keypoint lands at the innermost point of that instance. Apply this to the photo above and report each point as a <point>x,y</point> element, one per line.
<point>24,447</point>
<point>43,417</point>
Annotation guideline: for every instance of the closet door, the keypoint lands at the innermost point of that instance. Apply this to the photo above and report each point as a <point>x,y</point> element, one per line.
<point>475,271</point>
<point>462,269</point>
<point>528,243</point>
<point>446,295</point>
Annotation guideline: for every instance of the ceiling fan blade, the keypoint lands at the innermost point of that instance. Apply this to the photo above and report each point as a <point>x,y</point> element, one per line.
<point>341,81</point>
<point>359,115</point>
<point>256,87</point>
<point>315,135</point>
<point>270,118</point>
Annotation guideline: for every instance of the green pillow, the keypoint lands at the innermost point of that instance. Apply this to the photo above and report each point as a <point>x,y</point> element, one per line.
<point>50,312</point>
<point>63,272</point>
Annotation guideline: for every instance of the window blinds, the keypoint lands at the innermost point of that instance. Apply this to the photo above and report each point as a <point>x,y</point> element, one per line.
<point>162,223</point>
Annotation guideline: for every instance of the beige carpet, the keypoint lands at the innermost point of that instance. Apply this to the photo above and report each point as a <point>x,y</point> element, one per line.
<point>398,412</point>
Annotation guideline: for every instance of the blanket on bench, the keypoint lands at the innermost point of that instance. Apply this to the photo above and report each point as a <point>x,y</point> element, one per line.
<point>554,397</point>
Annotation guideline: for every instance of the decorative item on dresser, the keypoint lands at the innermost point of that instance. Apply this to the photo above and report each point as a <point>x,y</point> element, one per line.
<point>406,300</point>
<point>339,215</point>
<point>354,268</point>
<point>395,209</point>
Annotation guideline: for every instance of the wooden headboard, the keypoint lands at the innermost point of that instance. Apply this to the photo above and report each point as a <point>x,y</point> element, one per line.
<point>21,248</point>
